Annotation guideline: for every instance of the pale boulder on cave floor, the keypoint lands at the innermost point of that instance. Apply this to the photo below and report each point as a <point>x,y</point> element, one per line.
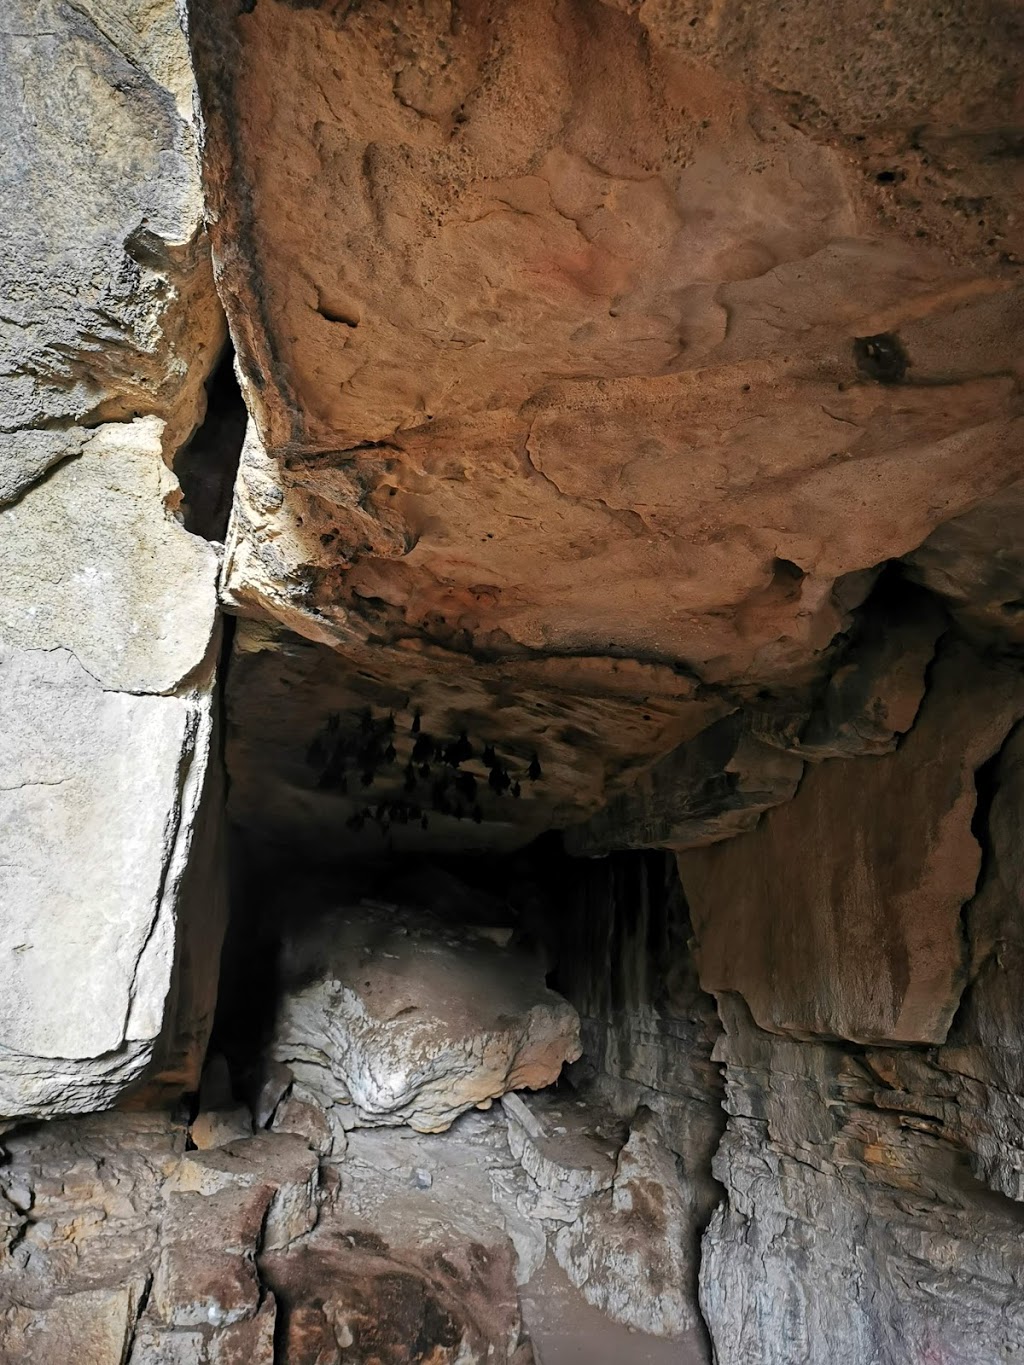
<point>399,1018</point>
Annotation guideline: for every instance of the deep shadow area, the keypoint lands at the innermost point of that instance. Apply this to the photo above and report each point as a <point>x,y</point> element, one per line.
<point>207,465</point>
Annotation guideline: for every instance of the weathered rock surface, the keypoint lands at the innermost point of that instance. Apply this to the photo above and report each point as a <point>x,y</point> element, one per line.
<point>976,562</point>
<point>872,1190</point>
<point>610,368</point>
<point>131,1249</point>
<point>109,308</point>
<point>852,1229</point>
<point>128,1249</point>
<point>631,1250</point>
<point>840,915</point>
<point>655,362</point>
<point>414,1261</point>
<point>717,785</point>
<point>567,1149</point>
<point>620,1221</point>
<point>110,805</point>
<point>397,1018</point>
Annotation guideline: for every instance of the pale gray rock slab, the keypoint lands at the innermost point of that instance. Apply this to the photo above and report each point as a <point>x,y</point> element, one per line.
<point>563,1151</point>
<point>410,1021</point>
<point>92,561</point>
<point>98,793</point>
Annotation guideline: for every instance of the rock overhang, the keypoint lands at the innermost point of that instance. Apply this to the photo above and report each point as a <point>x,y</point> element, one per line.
<point>574,343</point>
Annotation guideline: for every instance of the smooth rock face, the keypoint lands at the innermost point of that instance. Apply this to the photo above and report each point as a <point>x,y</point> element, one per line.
<point>840,915</point>
<point>93,562</point>
<point>396,1018</point>
<point>111,884</point>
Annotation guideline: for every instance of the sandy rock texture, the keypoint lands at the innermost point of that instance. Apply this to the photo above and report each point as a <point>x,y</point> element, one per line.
<point>591,333</point>
<point>397,1018</point>
<point>110,884</point>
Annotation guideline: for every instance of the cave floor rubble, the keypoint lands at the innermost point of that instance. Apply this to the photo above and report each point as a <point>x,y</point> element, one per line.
<point>126,1244</point>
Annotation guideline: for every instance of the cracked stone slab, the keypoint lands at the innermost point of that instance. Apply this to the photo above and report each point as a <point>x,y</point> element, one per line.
<point>99,794</point>
<point>565,1149</point>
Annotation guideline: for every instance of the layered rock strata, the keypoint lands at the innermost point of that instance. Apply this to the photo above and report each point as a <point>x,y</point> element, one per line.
<point>871,1186</point>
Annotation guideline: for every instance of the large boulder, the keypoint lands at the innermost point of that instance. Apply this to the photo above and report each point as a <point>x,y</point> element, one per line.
<point>397,1018</point>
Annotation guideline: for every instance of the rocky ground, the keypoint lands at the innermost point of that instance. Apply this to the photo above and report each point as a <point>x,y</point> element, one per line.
<point>125,1244</point>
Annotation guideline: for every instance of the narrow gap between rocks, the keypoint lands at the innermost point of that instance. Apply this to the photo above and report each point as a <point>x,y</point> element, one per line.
<point>206,466</point>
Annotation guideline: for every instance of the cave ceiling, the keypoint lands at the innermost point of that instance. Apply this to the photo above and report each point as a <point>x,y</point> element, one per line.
<point>599,357</point>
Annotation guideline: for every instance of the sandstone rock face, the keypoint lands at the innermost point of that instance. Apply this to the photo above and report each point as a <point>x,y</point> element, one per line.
<point>717,785</point>
<point>646,358</point>
<point>396,1019</point>
<point>840,915</point>
<point>111,887</point>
